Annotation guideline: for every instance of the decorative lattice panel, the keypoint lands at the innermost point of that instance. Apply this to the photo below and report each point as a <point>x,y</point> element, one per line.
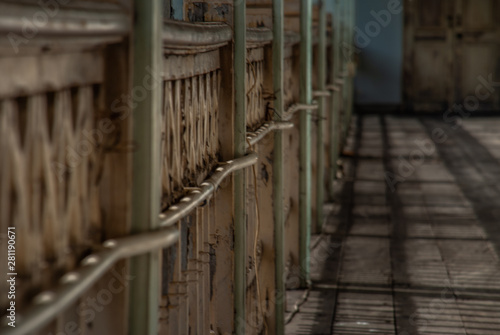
<point>256,107</point>
<point>51,159</point>
<point>190,132</point>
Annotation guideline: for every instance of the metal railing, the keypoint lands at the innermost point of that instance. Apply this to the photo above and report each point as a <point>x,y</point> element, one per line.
<point>167,112</point>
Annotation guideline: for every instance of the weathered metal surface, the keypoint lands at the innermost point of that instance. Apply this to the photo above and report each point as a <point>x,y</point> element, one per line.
<point>86,70</point>
<point>185,35</point>
<point>200,193</point>
<point>144,291</point>
<point>75,20</point>
<point>278,168</point>
<point>239,139</point>
<point>265,129</point>
<point>47,304</point>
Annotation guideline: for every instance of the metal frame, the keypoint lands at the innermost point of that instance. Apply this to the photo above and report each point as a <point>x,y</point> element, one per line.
<point>305,139</point>
<point>151,232</point>
<point>146,191</point>
<point>321,95</point>
<point>48,304</point>
<point>240,233</point>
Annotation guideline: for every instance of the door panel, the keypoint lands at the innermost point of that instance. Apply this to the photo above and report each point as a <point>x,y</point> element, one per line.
<point>429,14</point>
<point>427,68</point>
<point>477,15</point>
<point>477,63</point>
<point>451,47</point>
<point>477,49</point>
<point>431,61</point>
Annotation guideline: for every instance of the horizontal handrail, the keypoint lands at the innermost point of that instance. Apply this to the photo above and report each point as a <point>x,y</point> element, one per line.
<point>333,88</point>
<point>48,304</point>
<point>179,35</point>
<point>197,196</point>
<point>259,36</point>
<point>295,108</point>
<point>254,137</point>
<point>317,94</point>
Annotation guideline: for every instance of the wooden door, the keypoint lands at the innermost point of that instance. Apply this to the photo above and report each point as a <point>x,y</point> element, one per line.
<point>451,48</point>
<point>477,53</point>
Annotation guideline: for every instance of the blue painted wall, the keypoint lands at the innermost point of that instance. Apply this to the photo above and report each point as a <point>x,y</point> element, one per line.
<point>379,38</point>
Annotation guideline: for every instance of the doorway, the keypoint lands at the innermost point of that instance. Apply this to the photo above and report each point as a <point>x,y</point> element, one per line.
<point>451,55</point>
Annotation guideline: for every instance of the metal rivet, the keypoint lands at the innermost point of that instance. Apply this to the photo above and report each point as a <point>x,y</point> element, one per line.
<point>173,208</point>
<point>90,260</point>
<point>110,244</point>
<point>219,169</point>
<point>186,199</point>
<point>69,278</point>
<point>44,297</point>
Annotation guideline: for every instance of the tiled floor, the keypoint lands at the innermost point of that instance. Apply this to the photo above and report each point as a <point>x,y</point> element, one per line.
<point>412,242</point>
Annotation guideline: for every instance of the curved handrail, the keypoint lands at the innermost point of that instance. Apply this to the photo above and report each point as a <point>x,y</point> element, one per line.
<point>184,35</point>
<point>197,196</point>
<point>254,137</point>
<point>48,304</point>
<point>257,37</point>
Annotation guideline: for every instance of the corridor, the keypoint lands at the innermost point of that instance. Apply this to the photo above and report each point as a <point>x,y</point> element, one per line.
<point>412,238</point>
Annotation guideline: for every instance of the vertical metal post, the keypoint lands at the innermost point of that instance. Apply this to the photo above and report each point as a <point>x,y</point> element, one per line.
<point>305,138</point>
<point>350,41</point>
<point>240,236</point>
<point>278,181</point>
<point>320,149</point>
<point>343,69</point>
<point>335,125</point>
<point>144,288</point>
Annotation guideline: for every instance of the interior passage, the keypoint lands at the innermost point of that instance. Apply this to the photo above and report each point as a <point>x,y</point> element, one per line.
<point>412,239</point>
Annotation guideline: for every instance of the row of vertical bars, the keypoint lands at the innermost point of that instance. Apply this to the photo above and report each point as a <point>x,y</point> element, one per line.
<point>146,186</point>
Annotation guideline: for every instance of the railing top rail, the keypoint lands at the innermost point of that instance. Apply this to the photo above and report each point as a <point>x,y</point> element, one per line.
<point>79,19</point>
<point>291,38</point>
<point>185,35</point>
<point>47,304</point>
<point>257,37</point>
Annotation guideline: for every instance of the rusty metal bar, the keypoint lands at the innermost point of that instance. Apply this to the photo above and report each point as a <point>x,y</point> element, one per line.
<point>240,233</point>
<point>144,291</point>
<point>279,38</point>
<point>335,122</point>
<point>178,34</point>
<point>321,94</point>
<point>48,304</point>
<point>254,137</point>
<point>305,139</point>
<point>199,195</point>
<point>296,108</point>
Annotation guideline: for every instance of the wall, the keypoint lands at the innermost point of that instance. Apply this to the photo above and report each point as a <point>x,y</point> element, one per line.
<point>379,40</point>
